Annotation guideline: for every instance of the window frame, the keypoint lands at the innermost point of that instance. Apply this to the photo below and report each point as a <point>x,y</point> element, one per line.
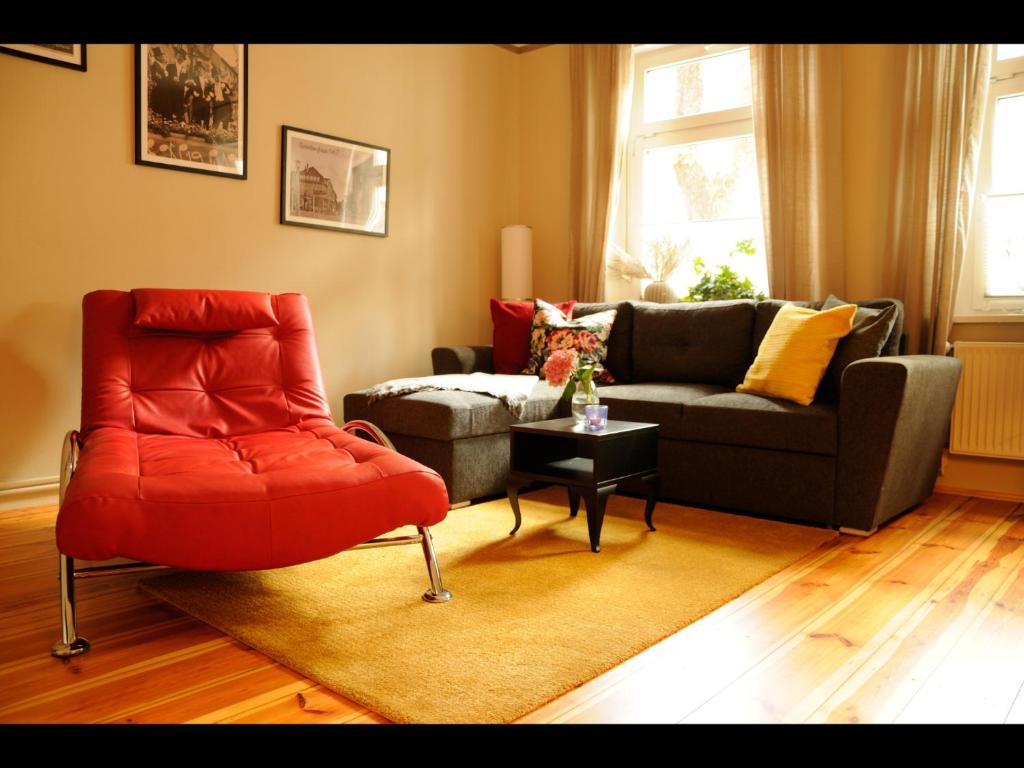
<point>1007,79</point>
<point>705,126</point>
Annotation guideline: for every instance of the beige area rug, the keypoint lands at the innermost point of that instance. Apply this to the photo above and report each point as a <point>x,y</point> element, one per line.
<point>533,616</point>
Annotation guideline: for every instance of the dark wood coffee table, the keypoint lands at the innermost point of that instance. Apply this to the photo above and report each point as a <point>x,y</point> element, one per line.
<point>589,464</point>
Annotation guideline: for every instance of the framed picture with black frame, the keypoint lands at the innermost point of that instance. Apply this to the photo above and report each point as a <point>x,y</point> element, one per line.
<point>191,107</point>
<point>333,183</point>
<point>70,55</point>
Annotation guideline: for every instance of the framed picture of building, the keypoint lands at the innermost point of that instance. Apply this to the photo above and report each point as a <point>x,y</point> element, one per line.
<point>191,107</point>
<point>334,183</point>
<point>70,55</point>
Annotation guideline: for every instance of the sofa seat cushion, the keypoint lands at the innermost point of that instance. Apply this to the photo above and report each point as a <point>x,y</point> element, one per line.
<point>447,415</point>
<point>660,403</point>
<point>262,500</point>
<point>734,418</point>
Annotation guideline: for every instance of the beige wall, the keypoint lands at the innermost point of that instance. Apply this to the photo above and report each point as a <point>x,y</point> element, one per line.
<point>76,214</point>
<point>544,157</point>
<point>869,93</point>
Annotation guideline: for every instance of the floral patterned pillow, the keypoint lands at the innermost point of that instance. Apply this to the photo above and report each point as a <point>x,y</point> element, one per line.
<point>588,335</point>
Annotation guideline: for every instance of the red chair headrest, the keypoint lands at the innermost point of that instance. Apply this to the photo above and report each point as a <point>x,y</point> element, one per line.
<point>174,309</point>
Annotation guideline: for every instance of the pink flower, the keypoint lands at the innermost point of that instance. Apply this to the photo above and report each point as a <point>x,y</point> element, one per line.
<point>559,367</point>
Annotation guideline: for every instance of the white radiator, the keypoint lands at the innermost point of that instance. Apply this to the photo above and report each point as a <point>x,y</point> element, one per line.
<point>988,415</point>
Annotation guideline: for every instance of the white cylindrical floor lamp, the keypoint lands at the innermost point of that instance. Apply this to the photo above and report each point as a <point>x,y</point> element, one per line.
<point>516,262</point>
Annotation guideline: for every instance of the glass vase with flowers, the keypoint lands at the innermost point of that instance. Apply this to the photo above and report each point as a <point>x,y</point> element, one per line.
<point>575,372</point>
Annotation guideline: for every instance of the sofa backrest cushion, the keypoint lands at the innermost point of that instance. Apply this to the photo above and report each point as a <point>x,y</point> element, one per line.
<point>706,342</point>
<point>867,337</point>
<point>892,344</point>
<point>766,311</point>
<point>620,344</point>
<point>198,384</point>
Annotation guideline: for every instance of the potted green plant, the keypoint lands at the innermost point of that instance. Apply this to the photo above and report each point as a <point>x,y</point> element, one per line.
<point>725,283</point>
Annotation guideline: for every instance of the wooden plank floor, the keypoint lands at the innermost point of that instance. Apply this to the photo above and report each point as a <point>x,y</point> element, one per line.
<point>922,622</point>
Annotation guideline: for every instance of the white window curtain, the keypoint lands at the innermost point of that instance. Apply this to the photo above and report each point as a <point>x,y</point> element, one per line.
<point>942,115</point>
<point>601,78</point>
<point>798,134</point>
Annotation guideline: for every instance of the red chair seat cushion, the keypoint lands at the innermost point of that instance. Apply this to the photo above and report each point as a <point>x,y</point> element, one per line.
<point>262,500</point>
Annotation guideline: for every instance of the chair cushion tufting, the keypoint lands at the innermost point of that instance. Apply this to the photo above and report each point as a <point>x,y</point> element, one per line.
<point>198,384</point>
<point>262,500</point>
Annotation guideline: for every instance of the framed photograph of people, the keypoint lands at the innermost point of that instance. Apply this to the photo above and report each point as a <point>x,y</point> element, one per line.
<point>191,107</point>
<point>334,183</point>
<point>70,55</point>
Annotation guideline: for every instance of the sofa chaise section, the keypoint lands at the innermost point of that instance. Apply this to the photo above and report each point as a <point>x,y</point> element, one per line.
<point>463,436</point>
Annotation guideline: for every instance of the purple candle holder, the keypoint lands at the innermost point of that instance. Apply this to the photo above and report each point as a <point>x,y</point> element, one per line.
<point>595,417</point>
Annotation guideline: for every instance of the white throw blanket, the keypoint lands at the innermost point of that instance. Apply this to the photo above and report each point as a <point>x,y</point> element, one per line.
<point>513,391</point>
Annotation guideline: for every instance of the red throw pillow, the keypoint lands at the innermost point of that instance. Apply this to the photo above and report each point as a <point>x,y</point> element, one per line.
<point>512,323</point>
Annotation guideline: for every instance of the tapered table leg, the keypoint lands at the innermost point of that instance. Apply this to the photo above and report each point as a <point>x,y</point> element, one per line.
<point>596,500</point>
<point>513,488</point>
<point>574,501</point>
<point>653,486</point>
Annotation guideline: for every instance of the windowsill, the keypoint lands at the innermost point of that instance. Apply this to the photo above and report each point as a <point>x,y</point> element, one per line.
<point>993,317</point>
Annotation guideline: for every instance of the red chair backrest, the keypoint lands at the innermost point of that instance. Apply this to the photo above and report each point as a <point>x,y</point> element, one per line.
<point>199,363</point>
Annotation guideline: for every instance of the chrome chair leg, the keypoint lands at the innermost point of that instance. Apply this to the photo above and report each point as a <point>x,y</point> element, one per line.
<point>70,643</point>
<point>437,593</point>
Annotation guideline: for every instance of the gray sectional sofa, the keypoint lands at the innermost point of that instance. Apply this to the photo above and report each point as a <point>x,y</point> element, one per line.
<point>850,460</point>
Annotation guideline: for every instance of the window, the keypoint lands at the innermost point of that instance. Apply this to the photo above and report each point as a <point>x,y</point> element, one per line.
<point>692,174</point>
<point>992,279</point>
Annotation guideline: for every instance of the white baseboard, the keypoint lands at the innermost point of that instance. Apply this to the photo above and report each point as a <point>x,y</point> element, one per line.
<point>980,493</point>
<point>37,492</point>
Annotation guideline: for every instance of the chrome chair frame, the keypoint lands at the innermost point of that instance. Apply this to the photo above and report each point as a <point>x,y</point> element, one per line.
<point>72,644</point>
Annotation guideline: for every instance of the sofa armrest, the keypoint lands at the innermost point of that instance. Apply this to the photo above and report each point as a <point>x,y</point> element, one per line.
<point>893,424</point>
<point>462,360</point>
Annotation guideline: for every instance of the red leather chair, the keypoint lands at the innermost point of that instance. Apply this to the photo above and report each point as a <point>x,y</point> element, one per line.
<point>207,443</point>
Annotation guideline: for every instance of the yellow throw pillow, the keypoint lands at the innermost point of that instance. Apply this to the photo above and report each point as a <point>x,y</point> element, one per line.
<point>796,352</point>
